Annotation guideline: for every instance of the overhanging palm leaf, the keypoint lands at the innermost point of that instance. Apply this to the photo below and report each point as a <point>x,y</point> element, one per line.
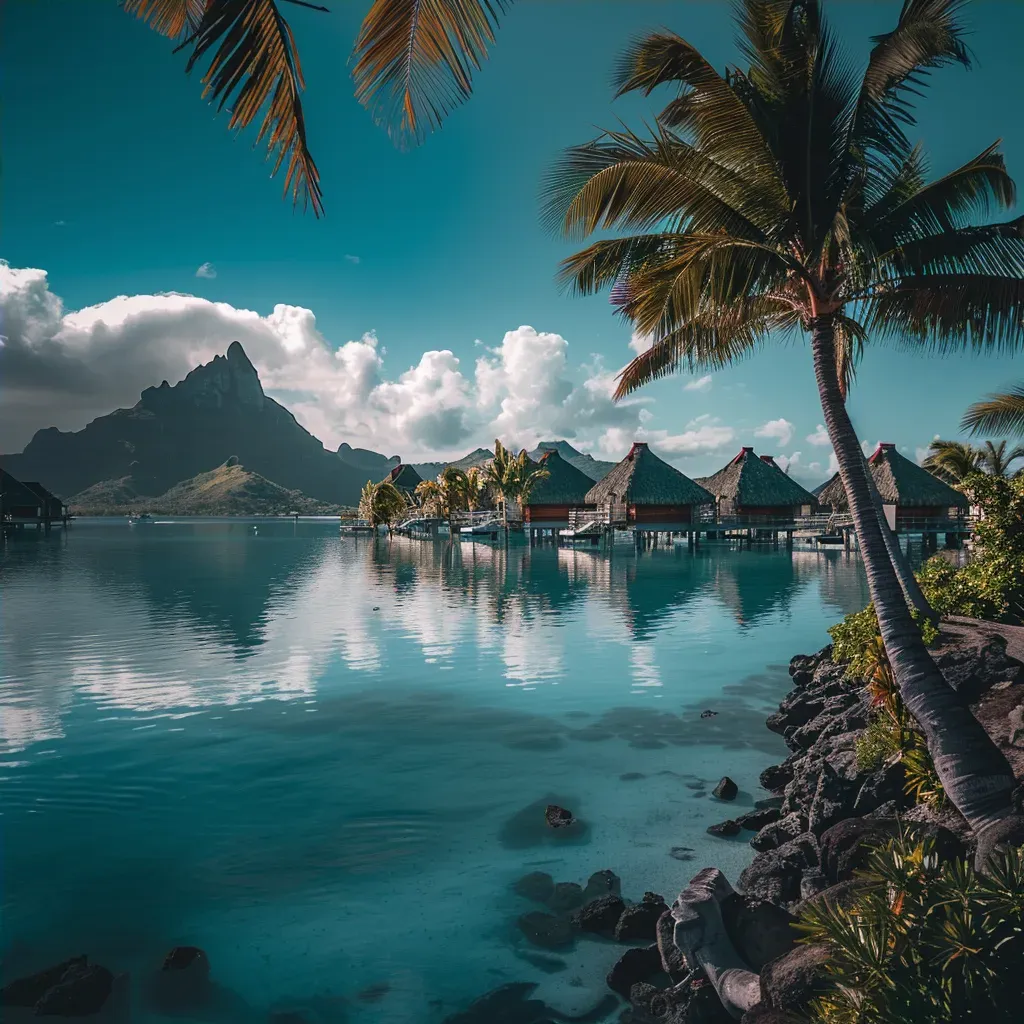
<point>999,413</point>
<point>414,59</point>
<point>254,67</point>
<point>952,461</point>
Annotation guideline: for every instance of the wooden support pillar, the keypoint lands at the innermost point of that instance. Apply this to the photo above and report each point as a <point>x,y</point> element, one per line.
<point>789,539</point>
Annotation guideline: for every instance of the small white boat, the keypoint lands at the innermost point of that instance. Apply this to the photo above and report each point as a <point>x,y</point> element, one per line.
<point>144,519</point>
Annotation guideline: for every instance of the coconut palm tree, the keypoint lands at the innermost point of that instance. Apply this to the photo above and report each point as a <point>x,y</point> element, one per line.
<point>382,504</point>
<point>952,461</point>
<point>509,475</point>
<point>955,461</point>
<point>1000,413</point>
<point>784,199</point>
<point>474,488</point>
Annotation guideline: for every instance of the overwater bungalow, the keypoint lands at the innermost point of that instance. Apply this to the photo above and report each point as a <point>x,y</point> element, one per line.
<point>646,492</point>
<point>24,504</point>
<point>913,499</point>
<point>553,498</point>
<point>405,478</point>
<point>752,486</point>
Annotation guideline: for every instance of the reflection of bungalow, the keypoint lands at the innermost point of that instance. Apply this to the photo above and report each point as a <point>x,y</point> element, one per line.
<point>911,496</point>
<point>550,501</point>
<point>752,486</point>
<point>405,478</point>
<point>648,493</point>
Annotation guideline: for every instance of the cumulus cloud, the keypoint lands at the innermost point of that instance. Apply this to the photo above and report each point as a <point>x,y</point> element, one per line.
<point>207,270</point>
<point>63,368</point>
<point>789,463</point>
<point>352,259</point>
<point>640,343</point>
<point>702,384</point>
<point>780,430</point>
<point>819,437</point>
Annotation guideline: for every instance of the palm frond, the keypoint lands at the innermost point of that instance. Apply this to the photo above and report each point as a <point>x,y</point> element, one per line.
<point>850,338</point>
<point>623,180</point>
<point>176,19</point>
<point>604,263</point>
<point>414,59</point>
<point>710,342</point>
<point>971,191</point>
<point>949,312</point>
<point>707,108</point>
<point>929,35</point>
<point>999,413</point>
<point>951,461</point>
<point>254,68</point>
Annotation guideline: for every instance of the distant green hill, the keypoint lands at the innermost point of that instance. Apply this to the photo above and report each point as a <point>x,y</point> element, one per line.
<point>228,490</point>
<point>478,457</point>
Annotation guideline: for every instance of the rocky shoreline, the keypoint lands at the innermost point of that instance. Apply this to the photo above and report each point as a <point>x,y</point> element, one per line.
<point>810,831</point>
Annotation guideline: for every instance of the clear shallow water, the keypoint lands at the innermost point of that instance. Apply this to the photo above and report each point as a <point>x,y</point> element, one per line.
<point>316,757</point>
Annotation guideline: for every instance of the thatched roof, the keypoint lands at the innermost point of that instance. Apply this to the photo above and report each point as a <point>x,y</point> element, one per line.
<point>14,492</point>
<point>404,477</point>
<point>900,482</point>
<point>564,485</point>
<point>641,478</point>
<point>758,482</point>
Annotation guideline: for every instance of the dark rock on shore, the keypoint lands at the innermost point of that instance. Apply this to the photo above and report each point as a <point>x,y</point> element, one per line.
<point>755,820</point>
<point>600,883</point>
<point>509,1004</point>
<point>726,789</point>
<point>29,990</point>
<point>538,886</point>
<point>791,981</point>
<point>774,875</point>
<point>776,777</point>
<point>783,830</point>
<point>639,922</point>
<point>600,916</point>
<point>729,827</point>
<point>546,930</point>
<point>973,668</point>
<point>635,966</point>
<point>760,930</point>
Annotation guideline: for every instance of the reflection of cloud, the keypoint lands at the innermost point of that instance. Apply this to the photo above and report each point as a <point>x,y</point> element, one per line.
<point>645,668</point>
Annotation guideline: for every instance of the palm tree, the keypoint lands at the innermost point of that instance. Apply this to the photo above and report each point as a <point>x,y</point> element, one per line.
<point>1000,413</point>
<point>429,495</point>
<point>952,461</point>
<point>413,63</point>
<point>474,488</point>
<point>955,461</point>
<point>787,198</point>
<point>509,475</point>
<point>382,504</point>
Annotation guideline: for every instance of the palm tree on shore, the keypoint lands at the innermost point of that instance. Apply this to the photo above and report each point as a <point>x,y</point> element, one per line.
<point>999,413</point>
<point>955,461</point>
<point>784,199</point>
<point>509,475</point>
<point>382,504</point>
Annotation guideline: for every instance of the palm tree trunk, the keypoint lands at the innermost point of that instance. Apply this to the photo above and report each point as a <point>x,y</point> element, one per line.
<point>975,775</point>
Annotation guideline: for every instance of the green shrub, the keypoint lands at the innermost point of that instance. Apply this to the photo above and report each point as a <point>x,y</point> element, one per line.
<point>923,942</point>
<point>879,742</point>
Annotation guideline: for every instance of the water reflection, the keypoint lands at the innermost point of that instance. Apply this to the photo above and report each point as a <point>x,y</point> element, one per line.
<point>191,616</point>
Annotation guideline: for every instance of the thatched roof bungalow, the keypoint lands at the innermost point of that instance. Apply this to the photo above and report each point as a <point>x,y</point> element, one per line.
<point>646,491</point>
<point>18,501</point>
<point>911,491</point>
<point>52,506</point>
<point>565,488</point>
<point>405,478</point>
<point>755,486</point>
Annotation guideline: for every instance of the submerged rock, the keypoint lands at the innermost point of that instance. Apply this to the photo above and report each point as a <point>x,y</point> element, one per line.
<point>566,896</point>
<point>726,789</point>
<point>29,990</point>
<point>509,1004</point>
<point>82,991</point>
<point>601,883</point>
<point>725,828</point>
<point>558,817</point>
<point>538,886</point>
<point>546,930</point>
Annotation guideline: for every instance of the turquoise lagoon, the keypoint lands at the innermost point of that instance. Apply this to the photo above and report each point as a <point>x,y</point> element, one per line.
<point>323,759</point>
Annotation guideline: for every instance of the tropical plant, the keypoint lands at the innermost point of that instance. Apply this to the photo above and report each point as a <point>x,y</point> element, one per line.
<point>787,198</point>
<point>955,461</point>
<point>922,940</point>
<point>991,584</point>
<point>446,495</point>
<point>475,488</point>
<point>999,413</point>
<point>382,504</point>
<point>509,475</point>
<point>414,62</point>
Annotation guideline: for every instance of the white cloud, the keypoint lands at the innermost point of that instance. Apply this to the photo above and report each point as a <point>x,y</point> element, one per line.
<point>64,368</point>
<point>703,384</point>
<point>59,223</point>
<point>819,437</point>
<point>640,343</point>
<point>789,462</point>
<point>206,270</point>
<point>780,430</point>
<point>833,464</point>
<point>352,259</point>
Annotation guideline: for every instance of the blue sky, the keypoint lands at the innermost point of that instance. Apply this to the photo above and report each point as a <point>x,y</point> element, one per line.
<point>118,180</point>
